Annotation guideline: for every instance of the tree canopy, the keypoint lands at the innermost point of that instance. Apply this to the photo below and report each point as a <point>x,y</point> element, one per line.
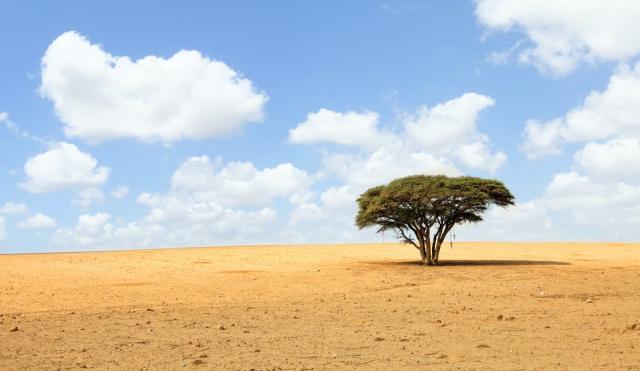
<point>422,209</point>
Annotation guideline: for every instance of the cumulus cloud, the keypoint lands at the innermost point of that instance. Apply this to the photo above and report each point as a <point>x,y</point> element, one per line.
<point>363,171</point>
<point>572,207</point>
<point>477,155</point>
<point>38,221</point>
<point>349,128</point>
<point>88,196</point>
<point>120,192</point>
<point>615,159</point>
<point>209,202</point>
<point>432,140</point>
<point>63,166</point>
<point>603,115</point>
<point>526,221</point>
<point>608,208</point>
<point>600,193</point>
<point>563,34</point>
<point>93,231</point>
<point>447,124</point>
<point>100,97</point>
<point>237,183</point>
<point>12,208</point>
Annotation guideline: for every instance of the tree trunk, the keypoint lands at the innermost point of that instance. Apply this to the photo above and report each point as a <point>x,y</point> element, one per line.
<point>436,255</point>
<point>425,249</point>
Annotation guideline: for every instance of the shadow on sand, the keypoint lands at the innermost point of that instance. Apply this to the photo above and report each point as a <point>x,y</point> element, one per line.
<point>472,263</point>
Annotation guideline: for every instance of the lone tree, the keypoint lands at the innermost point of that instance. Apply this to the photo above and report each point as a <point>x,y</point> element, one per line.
<point>422,209</point>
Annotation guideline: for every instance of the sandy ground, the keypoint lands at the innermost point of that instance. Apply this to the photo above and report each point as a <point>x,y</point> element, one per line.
<point>491,306</point>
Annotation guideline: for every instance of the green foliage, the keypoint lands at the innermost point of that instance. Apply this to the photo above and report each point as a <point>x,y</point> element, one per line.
<point>415,206</point>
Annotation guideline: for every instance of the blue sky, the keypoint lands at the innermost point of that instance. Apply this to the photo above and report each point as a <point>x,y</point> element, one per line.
<point>195,123</point>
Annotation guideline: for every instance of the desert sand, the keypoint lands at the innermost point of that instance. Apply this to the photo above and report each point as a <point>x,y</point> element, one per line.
<point>322,307</point>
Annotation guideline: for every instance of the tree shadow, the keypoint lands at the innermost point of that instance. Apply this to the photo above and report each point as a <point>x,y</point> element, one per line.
<point>476,263</point>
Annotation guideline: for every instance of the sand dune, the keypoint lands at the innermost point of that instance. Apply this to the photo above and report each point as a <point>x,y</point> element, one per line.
<point>490,306</point>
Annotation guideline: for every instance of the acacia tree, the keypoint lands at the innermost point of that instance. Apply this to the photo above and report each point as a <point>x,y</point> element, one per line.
<point>422,209</point>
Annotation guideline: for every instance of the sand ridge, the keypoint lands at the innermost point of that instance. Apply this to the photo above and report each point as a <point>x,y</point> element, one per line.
<point>371,306</point>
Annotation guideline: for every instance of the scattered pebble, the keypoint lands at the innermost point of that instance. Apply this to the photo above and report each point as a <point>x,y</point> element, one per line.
<point>379,339</point>
<point>198,362</point>
<point>221,327</point>
<point>14,329</point>
<point>479,346</point>
<point>499,317</point>
<point>635,326</point>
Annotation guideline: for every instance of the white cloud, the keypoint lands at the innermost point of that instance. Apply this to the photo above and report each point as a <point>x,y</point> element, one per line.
<point>102,97</point>
<point>385,164</point>
<point>477,155</point>
<point>599,196</point>
<point>13,208</point>
<point>209,203</point>
<point>120,192</point>
<point>430,141</point>
<point>350,128</point>
<point>3,229</point>
<point>38,221</point>
<point>238,183</point>
<point>566,33</point>
<point>542,139</point>
<point>603,115</point>
<point>93,231</point>
<point>572,207</point>
<point>63,166</point>
<point>527,221</point>
<point>88,196</point>
<point>615,159</point>
<point>447,124</point>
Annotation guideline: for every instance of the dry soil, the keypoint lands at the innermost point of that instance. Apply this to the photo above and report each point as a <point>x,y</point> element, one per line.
<point>322,307</point>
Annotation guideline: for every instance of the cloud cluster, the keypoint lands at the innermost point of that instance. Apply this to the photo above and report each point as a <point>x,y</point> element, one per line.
<point>606,114</point>
<point>432,140</point>
<point>10,208</point>
<point>209,202</point>
<point>100,97</point>
<point>63,166</point>
<point>600,194</point>
<point>237,183</point>
<point>349,128</point>
<point>38,221</point>
<point>566,33</point>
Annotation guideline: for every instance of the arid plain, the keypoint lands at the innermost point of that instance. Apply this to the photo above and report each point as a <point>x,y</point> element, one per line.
<point>489,306</point>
